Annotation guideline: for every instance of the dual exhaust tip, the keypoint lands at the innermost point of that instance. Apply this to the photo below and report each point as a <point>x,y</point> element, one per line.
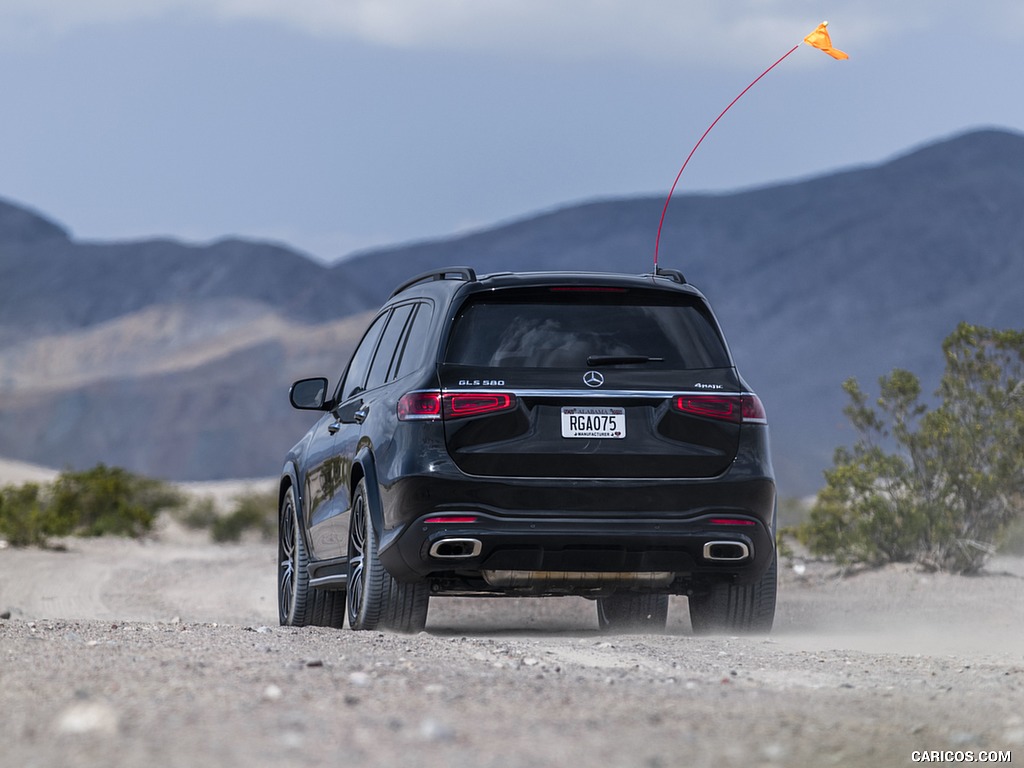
<point>467,548</point>
<point>726,551</point>
<point>456,549</point>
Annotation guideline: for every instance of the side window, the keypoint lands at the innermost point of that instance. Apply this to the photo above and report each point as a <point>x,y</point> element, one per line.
<point>414,353</point>
<point>388,345</point>
<point>355,377</point>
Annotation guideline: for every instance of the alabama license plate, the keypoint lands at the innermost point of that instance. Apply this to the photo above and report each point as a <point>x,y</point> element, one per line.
<point>594,422</point>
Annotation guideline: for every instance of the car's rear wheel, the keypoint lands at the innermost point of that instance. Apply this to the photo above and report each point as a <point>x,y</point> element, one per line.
<point>631,612</point>
<point>375,599</point>
<point>329,608</point>
<point>294,601</point>
<point>733,609</point>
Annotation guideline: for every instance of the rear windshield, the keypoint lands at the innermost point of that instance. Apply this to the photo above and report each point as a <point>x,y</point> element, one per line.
<point>563,328</point>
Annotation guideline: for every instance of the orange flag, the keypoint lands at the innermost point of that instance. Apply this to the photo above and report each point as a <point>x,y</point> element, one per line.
<point>819,39</point>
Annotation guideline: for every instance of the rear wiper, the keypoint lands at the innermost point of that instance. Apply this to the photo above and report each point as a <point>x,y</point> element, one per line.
<point>622,359</point>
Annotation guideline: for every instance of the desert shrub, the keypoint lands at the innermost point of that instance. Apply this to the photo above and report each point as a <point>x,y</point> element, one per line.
<point>252,511</point>
<point>99,501</point>
<point>198,514</point>
<point>940,487</point>
<point>792,511</point>
<point>1013,542</point>
<point>23,518</point>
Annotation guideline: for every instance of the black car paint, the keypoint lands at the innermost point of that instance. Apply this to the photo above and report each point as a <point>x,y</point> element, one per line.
<point>410,475</point>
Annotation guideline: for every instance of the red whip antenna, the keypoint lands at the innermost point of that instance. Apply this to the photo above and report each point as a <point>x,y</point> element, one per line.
<point>819,39</point>
<point>661,222</point>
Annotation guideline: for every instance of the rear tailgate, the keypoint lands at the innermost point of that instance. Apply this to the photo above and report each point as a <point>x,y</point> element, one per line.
<point>574,383</point>
<point>567,431</point>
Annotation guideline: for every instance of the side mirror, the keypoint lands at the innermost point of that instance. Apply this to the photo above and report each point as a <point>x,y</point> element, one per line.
<point>308,394</point>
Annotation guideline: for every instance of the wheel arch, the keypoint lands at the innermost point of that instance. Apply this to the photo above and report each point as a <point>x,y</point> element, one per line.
<point>287,481</point>
<point>364,468</point>
<point>290,479</point>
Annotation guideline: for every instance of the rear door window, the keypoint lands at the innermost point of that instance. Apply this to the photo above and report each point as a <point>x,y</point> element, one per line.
<point>416,348</point>
<point>563,328</point>
<point>385,358</point>
<point>355,377</point>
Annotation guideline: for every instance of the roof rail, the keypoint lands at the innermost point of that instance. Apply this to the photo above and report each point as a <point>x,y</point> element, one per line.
<point>672,274</point>
<point>457,273</point>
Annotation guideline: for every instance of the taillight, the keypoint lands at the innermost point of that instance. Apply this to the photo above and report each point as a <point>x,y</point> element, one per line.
<point>419,405</point>
<point>753,409</point>
<point>712,406</point>
<point>433,405</point>
<point>734,408</point>
<point>459,404</point>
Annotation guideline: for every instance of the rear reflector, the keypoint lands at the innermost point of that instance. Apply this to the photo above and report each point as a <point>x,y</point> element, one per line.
<point>734,408</point>
<point>432,405</point>
<point>450,519</point>
<point>730,521</point>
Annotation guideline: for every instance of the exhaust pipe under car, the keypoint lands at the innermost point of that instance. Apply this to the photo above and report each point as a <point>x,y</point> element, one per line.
<point>726,551</point>
<point>456,549</point>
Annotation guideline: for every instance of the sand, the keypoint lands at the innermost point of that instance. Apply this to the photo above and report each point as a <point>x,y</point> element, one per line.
<point>167,652</point>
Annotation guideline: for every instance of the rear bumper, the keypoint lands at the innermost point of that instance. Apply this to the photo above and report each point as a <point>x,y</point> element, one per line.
<point>579,526</point>
<point>524,555</point>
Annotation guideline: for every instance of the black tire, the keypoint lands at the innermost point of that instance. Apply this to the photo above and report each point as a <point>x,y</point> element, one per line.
<point>732,609</point>
<point>405,607</point>
<point>328,608</point>
<point>375,599</point>
<point>631,612</point>
<point>298,605</point>
<point>294,598</point>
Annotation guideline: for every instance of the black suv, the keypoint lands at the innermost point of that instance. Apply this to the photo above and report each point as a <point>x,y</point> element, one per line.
<point>532,434</point>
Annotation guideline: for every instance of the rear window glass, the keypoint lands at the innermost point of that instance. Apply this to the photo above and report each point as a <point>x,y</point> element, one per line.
<point>552,329</point>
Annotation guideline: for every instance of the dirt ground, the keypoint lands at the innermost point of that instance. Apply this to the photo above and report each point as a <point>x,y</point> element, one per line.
<point>166,652</point>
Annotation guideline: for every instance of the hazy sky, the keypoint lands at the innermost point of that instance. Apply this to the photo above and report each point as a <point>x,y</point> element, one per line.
<point>334,125</point>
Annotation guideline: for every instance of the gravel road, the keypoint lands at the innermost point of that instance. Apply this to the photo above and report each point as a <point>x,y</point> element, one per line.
<point>168,653</point>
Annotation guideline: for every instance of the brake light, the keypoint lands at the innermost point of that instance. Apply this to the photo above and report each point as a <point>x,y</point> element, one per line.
<point>753,409</point>
<point>433,405</point>
<point>419,405</point>
<point>587,289</point>
<point>734,408</point>
<point>721,407</point>
<point>459,404</point>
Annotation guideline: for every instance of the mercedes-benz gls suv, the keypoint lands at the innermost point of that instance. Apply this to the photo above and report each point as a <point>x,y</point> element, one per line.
<point>529,435</point>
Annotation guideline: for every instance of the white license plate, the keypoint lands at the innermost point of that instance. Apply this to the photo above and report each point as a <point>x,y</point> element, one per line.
<point>594,422</point>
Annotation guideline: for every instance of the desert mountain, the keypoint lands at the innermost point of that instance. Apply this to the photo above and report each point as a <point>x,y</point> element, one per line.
<point>174,359</point>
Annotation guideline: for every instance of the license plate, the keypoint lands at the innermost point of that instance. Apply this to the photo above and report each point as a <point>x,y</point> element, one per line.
<point>594,422</point>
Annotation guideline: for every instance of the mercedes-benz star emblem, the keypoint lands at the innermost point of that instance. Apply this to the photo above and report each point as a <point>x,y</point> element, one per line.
<point>593,379</point>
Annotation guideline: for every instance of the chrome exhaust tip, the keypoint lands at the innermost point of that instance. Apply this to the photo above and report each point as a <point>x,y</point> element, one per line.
<point>456,549</point>
<point>726,551</point>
